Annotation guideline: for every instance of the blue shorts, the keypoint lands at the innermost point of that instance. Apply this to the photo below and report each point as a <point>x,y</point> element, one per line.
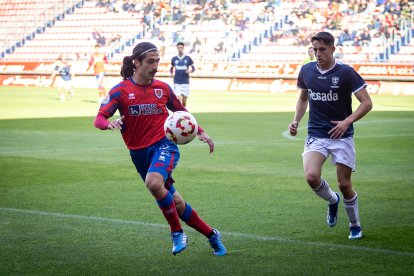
<point>162,157</point>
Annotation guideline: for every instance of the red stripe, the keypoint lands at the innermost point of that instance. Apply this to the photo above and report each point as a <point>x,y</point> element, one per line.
<point>171,165</point>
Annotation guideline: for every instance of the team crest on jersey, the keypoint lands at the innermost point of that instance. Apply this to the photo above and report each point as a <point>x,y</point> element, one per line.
<point>131,96</point>
<point>335,81</point>
<point>106,100</point>
<point>158,92</point>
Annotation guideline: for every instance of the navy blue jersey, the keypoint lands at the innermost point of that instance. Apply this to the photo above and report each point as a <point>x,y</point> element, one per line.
<point>330,96</point>
<point>181,65</point>
<point>64,72</point>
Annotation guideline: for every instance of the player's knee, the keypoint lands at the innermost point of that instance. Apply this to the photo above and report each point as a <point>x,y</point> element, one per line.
<point>155,185</point>
<point>180,205</point>
<point>345,186</point>
<point>313,179</point>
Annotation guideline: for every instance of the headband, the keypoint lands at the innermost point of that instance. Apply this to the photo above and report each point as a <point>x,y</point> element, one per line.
<point>146,51</point>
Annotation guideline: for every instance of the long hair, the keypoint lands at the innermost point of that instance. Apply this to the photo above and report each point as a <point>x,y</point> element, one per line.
<point>139,53</point>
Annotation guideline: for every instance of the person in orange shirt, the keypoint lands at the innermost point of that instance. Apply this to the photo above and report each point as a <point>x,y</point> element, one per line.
<point>98,61</point>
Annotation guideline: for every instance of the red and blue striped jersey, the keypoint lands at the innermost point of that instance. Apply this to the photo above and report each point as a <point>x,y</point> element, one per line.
<point>145,108</point>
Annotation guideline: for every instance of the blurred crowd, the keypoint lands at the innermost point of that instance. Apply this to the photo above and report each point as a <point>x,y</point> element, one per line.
<point>356,23</point>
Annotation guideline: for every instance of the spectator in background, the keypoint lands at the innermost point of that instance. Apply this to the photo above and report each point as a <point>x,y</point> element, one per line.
<point>178,37</point>
<point>219,48</point>
<point>365,38</point>
<point>127,6</point>
<point>156,31</point>
<point>345,38</point>
<point>162,43</point>
<point>115,41</point>
<point>101,40</point>
<point>95,34</point>
<point>196,46</point>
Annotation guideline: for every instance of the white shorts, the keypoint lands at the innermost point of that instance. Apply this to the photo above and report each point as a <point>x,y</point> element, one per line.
<point>99,78</point>
<point>182,89</point>
<point>65,84</point>
<point>341,150</point>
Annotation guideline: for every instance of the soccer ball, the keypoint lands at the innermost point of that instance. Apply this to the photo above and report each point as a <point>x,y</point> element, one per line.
<point>180,127</point>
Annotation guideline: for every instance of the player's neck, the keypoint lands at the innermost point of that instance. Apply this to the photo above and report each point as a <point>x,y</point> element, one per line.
<point>141,81</point>
<point>328,66</point>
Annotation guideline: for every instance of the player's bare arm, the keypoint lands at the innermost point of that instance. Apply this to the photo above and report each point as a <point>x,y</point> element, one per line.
<point>190,70</point>
<point>206,139</point>
<point>301,106</point>
<point>365,106</point>
<point>172,72</point>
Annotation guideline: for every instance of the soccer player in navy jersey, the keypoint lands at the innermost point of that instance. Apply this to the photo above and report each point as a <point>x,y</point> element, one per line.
<point>143,103</point>
<point>65,85</point>
<point>328,85</point>
<point>183,66</point>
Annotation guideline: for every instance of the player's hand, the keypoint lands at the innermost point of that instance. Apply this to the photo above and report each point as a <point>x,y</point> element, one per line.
<point>117,124</point>
<point>206,139</point>
<point>293,128</point>
<point>339,130</point>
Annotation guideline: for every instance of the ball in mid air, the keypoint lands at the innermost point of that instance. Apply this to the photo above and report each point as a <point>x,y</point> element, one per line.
<point>180,127</point>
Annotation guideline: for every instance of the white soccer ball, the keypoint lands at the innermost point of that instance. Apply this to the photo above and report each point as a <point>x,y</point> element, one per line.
<point>180,127</point>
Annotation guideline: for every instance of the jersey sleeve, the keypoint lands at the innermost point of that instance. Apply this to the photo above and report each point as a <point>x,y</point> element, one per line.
<point>101,122</point>
<point>191,63</point>
<point>300,83</point>
<point>356,82</point>
<point>91,61</point>
<point>111,103</point>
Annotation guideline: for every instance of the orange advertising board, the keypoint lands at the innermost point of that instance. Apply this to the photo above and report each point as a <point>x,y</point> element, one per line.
<point>230,77</point>
<point>218,69</point>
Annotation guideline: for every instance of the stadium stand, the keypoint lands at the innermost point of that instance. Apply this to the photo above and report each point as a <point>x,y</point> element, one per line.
<point>22,21</point>
<point>76,34</point>
<point>241,31</point>
<point>364,33</point>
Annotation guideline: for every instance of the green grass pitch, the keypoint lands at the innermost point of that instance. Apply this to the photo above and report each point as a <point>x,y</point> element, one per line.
<point>71,202</point>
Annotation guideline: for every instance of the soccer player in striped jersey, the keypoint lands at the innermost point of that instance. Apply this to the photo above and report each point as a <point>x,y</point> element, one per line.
<point>327,86</point>
<point>183,66</point>
<point>143,103</point>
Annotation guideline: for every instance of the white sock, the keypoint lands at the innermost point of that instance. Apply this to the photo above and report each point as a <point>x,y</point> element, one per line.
<point>325,192</point>
<point>351,207</point>
<point>62,97</point>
